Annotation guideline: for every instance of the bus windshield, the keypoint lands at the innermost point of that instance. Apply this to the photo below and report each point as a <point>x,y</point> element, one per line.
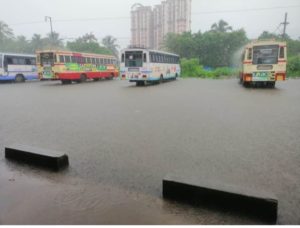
<point>134,59</point>
<point>47,58</point>
<point>265,54</point>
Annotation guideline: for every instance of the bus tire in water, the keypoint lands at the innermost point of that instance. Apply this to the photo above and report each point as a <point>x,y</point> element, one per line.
<point>141,83</point>
<point>66,82</point>
<point>271,85</point>
<point>161,80</point>
<point>82,79</point>
<point>246,84</point>
<point>19,78</point>
<point>111,77</point>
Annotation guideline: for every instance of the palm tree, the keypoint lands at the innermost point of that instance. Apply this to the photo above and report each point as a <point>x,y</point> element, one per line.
<point>54,41</point>
<point>221,26</point>
<point>37,42</point>
<point>110,43</point>
<point>5,32</point>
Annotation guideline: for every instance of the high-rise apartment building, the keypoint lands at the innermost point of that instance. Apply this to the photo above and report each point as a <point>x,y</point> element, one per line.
<point>150,26</point>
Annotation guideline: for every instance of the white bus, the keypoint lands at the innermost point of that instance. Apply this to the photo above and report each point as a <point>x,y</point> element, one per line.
<point>17,67</point>
<point>144,66</point>
<point>264,63</point>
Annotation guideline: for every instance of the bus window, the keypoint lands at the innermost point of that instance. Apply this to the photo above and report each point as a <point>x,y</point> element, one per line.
<point>33,61</point>
<point>61,59</point>
<point>249,57</point>
<point>15,61</point>
<point>98,61</point>
<point>134,59</point>
<point>145,57</point>
<point>265,54</point>
<point>281,53</point>
<point>9,60</point>
<point>73,59</point>
<point>94,61</point>
<point>67,59</point>
<point>47,58</point>
<point>27,61</point>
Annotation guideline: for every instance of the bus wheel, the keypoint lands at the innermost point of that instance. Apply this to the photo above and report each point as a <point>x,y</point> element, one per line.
<point>246,84</point>
<point>19,78</point>
<point>66,82</point>
<point>161,80</point>
<point>141,83</point>
<point>82,78</point>
<point>271,85</point>
<point>96,79</point>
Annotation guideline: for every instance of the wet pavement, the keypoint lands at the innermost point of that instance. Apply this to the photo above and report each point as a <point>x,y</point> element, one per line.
<point>122,140</point>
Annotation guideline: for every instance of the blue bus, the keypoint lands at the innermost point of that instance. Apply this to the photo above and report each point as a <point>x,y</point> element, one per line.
<point>17,67</point>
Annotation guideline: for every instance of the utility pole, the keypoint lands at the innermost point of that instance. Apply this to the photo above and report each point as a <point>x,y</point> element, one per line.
<point>50,19</point>
<point>285,24</point>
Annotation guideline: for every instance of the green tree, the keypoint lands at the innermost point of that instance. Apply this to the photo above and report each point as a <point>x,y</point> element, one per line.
<point>185,44</point>
<point>87,43</point>
<point>110,43</point>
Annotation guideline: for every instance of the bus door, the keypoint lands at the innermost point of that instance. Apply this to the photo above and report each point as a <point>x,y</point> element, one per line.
<point>1,65</point>
<point>47,63</point>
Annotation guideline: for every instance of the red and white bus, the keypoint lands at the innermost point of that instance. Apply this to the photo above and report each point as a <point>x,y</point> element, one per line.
<point>78,67</point>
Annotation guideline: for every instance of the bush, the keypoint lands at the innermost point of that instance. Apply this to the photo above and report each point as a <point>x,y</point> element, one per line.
<point>293,66</point>
<point>192,68</point>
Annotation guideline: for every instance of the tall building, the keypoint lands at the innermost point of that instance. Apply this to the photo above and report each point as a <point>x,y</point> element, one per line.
<point>150,26</point>
<point>142,26</point>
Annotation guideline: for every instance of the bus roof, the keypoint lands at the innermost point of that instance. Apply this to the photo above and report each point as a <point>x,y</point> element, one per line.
<point>75,53</point>
<point>17,54</point>
<point>149,50</point>
<point>266,42</point>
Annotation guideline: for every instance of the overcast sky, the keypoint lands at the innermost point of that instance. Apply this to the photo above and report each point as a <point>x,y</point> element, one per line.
<point>19,14</point>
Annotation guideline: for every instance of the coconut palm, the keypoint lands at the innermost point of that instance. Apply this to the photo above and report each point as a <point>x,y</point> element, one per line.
<point>37,42</point>
<point>221,26</point>
<point>5,32</point>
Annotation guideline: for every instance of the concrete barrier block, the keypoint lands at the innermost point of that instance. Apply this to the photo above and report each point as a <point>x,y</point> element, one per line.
<point>36,156</point>
<point>222,197</point>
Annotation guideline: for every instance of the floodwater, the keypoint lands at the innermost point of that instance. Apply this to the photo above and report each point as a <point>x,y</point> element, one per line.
<point>123,140</point>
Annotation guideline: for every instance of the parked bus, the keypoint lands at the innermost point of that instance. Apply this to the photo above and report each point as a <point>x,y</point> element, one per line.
<point>264,63</point>
<point>144,65</point>
<point>17,67</point>
<point>78,67</point>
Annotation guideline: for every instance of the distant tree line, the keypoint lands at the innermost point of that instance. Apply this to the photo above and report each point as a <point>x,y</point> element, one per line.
<point>87,43</point>
<point>221,47</point>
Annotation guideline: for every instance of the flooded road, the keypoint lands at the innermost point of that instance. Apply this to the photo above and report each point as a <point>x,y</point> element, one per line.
<point>122,140</point>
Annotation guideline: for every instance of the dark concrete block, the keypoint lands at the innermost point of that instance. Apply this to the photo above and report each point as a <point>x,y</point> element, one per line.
<point>223,197</point>
<point>39,157</point>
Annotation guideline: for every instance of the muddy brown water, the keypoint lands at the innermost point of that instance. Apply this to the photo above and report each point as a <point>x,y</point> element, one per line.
<point>122,140</point>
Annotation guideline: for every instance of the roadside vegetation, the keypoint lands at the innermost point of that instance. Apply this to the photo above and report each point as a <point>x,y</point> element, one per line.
<point>212,54</point>
<point>218,52</point>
